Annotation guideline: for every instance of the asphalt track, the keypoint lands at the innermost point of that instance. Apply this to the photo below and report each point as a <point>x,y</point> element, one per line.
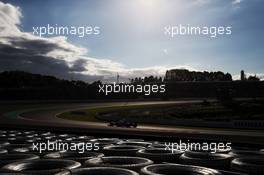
<point>45,117</point>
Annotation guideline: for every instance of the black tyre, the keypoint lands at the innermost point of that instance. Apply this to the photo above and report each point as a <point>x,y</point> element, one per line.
<point>7,173</point>
<point>65,136</point>
<point>31,136</point>
<point>99,171</point>
<point>160,155</point>
<point>157,146</point>
<point>143,144</point>
<point>17,140</point>
<point>84,137</point>
<point>135,140</point>
<point>49,138</point>
<point>231,173</point>
<point>41,167</point>
<point>206,159</point>
<point>242,148</point>
<point>3,151</point>
<point>79,157</point>
<point>3,132</point>
<point>10,158</point>
<point>132,163</point>
<point>106,140</point>
<point>44,134</point>
<point>30,133</point>
<point>102,142</point>
<point>33,140</point>
<point>121,150</point>
<point>177,169</point>
<point>254,166</point>
<point>17,148</point>
<point>4,143</point>
<point>246,153</point>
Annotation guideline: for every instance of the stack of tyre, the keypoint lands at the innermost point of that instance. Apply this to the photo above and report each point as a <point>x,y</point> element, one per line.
<point>119,156</point>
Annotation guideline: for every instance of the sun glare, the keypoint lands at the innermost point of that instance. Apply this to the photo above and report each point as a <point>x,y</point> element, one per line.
<point>149,3</point>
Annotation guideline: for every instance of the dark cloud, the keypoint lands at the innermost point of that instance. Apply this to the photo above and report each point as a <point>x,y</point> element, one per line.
<point>33,46</point>
<point>33,60</point>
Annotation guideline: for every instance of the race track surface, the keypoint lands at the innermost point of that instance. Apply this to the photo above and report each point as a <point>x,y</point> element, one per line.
<point>45,117</point>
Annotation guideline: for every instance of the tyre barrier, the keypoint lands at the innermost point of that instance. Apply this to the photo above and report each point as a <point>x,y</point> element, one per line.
<point>143,144</point>
<point>41,154</point>
<point>79,157</point>
<point>223,151</point>
<point>3,151</point>
<point>4,143</point>
<point>30,133</point>
<point>243,148</point>
<point>65,136</point>
<point>41,166</point>
<point>206,159</point>
<point>21,143</point>
<point>14,132</point>
<point>106,140</point>
<point>102,142</point>
<point>194,148</point>
<point>12,135</point>
<point>246,153</point>
<point>17,140</point>
<point>30,136</point>
<point>160,155</point>
<point>6,173</point>
<point>99,171</point>
<point>3,137</point>
<point>3,132</point>
<point>46,134</point>
<point>158,146</point>
<point>135,140</point>
<point>253,165</point>
<point>70,139</point>
<point>84,137</point>
<point>77,140</point>
<point>10,158</point>
<point>177,169</point>
<point>17,148</point>
<point>33,140</point>
<point>231,173</point>
<point>132,163</point>
<point>66,139</point>
<point>120,150</point>
<point>49,138</point>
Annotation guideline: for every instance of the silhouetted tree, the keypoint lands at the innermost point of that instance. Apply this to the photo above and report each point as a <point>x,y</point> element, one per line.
<point>253,78</point>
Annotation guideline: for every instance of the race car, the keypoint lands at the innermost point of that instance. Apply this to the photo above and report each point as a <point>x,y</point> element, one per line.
<point>123,123</point>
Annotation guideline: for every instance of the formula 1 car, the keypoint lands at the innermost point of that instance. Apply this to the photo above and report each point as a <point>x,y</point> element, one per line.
<point>123,123</point>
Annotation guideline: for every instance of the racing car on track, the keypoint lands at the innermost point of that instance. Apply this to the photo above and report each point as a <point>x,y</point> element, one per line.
<point>123,123</point>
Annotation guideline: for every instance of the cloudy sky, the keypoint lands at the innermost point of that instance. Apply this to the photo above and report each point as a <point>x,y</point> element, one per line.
<point>131,41</point>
